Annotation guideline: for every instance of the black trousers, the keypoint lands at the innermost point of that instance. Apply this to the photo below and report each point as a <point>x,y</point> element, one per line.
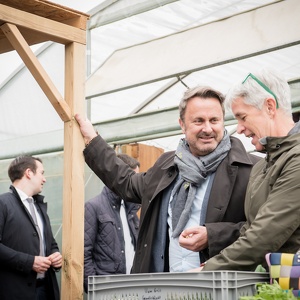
<point>41,290</point>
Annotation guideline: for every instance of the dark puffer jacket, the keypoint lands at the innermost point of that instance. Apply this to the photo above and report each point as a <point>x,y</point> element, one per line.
<point>104,246</point>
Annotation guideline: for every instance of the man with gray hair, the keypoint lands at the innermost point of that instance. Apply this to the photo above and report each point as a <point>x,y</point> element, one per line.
<point>192,197</point>
<point>261,104</point>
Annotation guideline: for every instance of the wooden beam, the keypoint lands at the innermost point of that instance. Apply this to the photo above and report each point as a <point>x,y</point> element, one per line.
<point>50,10</point>
<point>39,26</point>
<point>73,194</point>
<point>40,21</point>
<point>18,42</point>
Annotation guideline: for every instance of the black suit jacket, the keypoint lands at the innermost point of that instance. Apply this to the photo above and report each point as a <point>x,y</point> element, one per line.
<point>19,244</point>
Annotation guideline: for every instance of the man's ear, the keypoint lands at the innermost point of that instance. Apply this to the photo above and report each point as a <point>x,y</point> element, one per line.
<point>28,173</point>
<point>181,123</point>
<point>270,105</point>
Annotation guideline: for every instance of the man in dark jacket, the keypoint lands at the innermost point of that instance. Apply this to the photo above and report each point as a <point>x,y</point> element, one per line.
<point>110,231</point>
<point>29,255</point>
<point>200,187</point>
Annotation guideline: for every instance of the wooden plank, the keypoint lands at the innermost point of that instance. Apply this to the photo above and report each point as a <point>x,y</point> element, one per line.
<point>16,39</point>
<point>148,155</point>
<point>36,28</point>
<point>39,26</point>
<point>145,154</point>
<point>73,194</point>
<point>51,11</point>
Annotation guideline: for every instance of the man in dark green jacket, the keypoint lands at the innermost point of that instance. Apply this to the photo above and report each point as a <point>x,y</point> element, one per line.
<point>262,106</point>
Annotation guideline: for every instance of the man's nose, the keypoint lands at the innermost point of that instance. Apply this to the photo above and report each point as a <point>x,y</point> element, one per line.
<point>240,128</point>
<point>207,127</point>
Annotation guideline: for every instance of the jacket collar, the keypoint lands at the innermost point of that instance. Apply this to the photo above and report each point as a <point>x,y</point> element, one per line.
<point>275,146</point>
<point>238,153</point>
<point>169,162</point>
<point>113,198</point>
<point>38,198</point>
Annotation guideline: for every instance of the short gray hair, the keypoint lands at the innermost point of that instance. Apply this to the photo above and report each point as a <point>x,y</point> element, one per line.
<point>254,94</point>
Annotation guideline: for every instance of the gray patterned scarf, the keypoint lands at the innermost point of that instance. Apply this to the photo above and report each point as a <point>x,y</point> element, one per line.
<point>193,171</point>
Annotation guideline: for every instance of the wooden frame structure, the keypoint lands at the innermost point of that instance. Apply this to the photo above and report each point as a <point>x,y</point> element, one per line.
<point>25,23</point>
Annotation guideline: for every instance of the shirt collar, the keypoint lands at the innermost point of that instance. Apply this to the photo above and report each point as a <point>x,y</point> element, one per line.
<point>22,195</point>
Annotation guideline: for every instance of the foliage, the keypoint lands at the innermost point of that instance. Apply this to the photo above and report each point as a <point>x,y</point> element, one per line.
<point>266,291</point>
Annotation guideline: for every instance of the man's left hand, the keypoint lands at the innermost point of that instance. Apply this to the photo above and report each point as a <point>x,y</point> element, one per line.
<point>194,238</point>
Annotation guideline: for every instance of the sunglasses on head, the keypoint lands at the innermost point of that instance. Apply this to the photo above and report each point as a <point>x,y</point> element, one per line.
<point>262,85</point>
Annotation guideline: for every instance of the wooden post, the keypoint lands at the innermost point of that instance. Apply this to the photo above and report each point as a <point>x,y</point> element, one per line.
<point>26,23</point>
<point>73,194</point>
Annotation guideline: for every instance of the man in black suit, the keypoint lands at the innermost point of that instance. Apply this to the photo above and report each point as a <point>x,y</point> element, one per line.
<point>29,255</point>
